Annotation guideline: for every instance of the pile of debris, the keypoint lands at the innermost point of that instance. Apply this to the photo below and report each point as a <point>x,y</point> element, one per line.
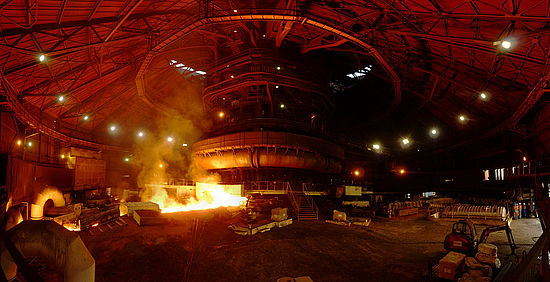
<point>469,269</point>
<point>279,218</point>
<point>341,218</point>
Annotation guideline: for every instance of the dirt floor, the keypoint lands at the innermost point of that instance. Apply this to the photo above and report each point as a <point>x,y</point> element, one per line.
<point>387,250</point>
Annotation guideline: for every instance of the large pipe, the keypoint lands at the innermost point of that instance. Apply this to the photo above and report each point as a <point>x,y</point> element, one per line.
<point>37,206</point>
<point>46,239</point>
<point>13,217</point>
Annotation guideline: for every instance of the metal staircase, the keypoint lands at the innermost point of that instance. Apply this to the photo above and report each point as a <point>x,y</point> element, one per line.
<point>303,204</point>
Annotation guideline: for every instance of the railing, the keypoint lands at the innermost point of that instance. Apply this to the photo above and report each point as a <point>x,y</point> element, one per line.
<point>531,167</point>
<point>292,198</point>
<point>531,268</point>
<point>266,185</point>
<point>310,200</point>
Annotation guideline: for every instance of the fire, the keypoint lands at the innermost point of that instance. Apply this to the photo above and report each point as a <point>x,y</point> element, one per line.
<point>72,226</point>
<point>207,196</point>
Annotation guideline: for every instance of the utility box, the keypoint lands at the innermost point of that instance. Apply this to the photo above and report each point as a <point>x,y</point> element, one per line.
<point>279,214</point>
<point>338,216</point>
<point>451,265</point>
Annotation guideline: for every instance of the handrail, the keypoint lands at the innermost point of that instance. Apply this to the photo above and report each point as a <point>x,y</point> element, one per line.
<point>293,201</point>
<point>528,269</point>
<point>310,200</point>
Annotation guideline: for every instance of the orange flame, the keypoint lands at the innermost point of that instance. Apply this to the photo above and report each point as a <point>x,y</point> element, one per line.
<point>208,196</point>
<point>72,226</point>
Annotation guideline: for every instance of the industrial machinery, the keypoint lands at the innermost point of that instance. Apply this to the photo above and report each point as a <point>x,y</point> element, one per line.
<point>463,238</point>
<point>271,114</point>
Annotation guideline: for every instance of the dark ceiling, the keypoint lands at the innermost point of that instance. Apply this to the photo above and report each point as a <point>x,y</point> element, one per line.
<point>435,57</point>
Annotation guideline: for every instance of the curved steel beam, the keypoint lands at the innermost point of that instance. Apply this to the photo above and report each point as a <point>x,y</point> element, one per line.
<point>28,118</point>
<point>199,22</point>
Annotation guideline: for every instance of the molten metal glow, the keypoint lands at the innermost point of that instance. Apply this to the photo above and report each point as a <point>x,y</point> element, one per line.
<point>72,226</point>
<point>208,196</point>
<point>356,172</point>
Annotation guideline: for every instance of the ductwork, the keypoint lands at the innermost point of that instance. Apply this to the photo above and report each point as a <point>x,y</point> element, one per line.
<point>37,206</point>
<point>46,239</point>
<point>13,217</point>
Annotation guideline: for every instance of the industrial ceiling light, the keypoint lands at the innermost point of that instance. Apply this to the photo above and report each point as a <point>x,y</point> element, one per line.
<point>160,165</point>
<point>221,114</point>
<point>42,57</point>
<point>140,134</point>
<point>61,98</point>
<point>376,146</point>
<point>278,68</point>
<point>234,11</point>
<point>62,156</point>
<point>524,159</point>
<point>282,106</point>
<point>86,117</point>
<point>29,144</point>
<point>462,118</point>
<point>232,76</point>
<point>235,31</point>
<point>506,44</point>
<point>356,172</point>
<point>184,144</point>
<point>126,159</point>
<point>434,132</point>
<point>483,96</point>
<point>405,141</point>
<point>18,142</point>
<point>401,171</point>
<point>276,86</point>
<point>112,128</point>
<point>170,139</point>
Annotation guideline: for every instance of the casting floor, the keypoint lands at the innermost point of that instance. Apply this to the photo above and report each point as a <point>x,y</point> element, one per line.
<point>387,250</point>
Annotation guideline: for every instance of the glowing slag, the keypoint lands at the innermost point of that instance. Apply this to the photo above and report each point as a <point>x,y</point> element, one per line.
<point>208,196</point>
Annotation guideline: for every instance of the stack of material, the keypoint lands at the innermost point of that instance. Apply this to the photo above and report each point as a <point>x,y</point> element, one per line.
<point>451,265</point>
<point>487,254</point>
<point>496,213</point>
<point>476,269</point>
<point>360,221</point>
<point>279,214</point>
<point>258,227</point>
<point>148,217</point>
<point>128,208</point>
<point>90,217</point>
